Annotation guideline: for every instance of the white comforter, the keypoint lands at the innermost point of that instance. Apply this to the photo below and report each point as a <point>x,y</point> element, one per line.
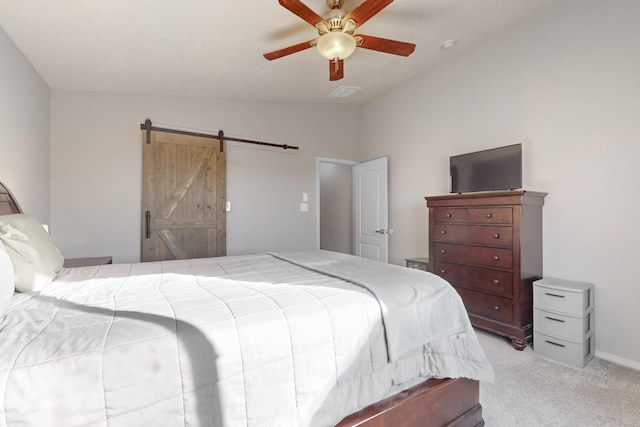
<point>233,341</point>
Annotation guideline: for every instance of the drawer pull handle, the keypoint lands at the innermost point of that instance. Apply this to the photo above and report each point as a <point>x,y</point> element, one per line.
<point>443,231</point>
<point>496,281</point>
<point>443,271</point>
<point>496,257</point>
<point>442,251</point>
<point>554,295</point>
<point>496,236</point>
<point>496,307</point>
<point>448,215</point>
<point>488,215</point>
<point>554,319</point>
<point>555,343</point>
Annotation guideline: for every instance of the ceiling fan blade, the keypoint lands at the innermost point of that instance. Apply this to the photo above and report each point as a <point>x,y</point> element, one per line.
<point>366,10</point>
<point>288,50</point>
<point>336,70</point>
<point>385,45</point>
<point>303,11</point>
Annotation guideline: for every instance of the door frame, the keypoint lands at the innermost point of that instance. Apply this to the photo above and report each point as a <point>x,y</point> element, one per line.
<point>335,161</point>
<point>351,163</point>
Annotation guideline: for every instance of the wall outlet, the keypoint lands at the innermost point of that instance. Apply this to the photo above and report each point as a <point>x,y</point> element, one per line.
<point>304,207</point>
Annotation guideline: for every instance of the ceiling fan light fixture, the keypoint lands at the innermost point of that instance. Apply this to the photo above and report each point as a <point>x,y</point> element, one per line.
<point>336,44</point>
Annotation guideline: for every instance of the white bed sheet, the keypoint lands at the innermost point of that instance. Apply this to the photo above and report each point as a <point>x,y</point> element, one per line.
<point>234,341</point>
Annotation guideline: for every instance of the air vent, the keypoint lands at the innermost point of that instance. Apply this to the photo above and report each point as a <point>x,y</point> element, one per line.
<point>343,92</point>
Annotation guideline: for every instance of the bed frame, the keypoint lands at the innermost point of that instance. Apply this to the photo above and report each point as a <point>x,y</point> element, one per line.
<point>8,203</point>
<point>434,402</point>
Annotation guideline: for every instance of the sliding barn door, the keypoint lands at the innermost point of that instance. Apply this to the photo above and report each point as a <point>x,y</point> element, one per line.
<point>183,197</point>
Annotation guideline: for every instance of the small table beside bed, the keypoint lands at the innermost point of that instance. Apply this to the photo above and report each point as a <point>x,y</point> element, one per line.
<point>301,338</point>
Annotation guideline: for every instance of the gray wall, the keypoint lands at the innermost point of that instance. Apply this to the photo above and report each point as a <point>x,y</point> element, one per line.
<point>566,85</point>
<point>24,130</point>
<point>96,167</point>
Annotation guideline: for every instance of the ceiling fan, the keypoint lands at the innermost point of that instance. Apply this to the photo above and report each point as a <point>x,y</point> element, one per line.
<point>336,39</point>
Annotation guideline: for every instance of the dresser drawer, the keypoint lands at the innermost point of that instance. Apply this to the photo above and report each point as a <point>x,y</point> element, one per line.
<point>570,353</point>
<point>496,282</point>
<point>489,306</point>
<point>474,255</point>
<point>450,215</point>
<point>562,326</point>
<point>475,234</point>
<point>491,215</point>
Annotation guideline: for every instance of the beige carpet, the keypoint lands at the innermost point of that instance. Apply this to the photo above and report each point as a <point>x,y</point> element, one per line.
<point>532,391</point>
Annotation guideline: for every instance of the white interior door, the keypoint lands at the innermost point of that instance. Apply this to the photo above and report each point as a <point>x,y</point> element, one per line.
<point>371,212</point>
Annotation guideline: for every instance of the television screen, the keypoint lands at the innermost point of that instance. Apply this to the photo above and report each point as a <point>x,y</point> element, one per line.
<point>488,170</point>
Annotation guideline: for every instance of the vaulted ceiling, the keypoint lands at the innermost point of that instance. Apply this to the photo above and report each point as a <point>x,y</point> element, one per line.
<point>214,48</point>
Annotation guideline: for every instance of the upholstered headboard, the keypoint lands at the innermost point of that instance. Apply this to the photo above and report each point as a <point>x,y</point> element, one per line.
<point>8,204</point>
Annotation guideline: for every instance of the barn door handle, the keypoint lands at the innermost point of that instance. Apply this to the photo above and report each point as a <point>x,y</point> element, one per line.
<point>147,219</point>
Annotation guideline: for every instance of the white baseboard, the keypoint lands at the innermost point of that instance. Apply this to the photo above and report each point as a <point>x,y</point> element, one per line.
<point>618,360</point>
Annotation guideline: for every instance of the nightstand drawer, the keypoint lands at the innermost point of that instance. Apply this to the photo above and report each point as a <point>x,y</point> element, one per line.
<point>570,353</point>
<point>562,326</point>
<point>572,298</point>
<point>420,263</point>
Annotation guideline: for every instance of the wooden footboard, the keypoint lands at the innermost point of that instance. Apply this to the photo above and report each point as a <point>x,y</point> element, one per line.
<point>447,402</point>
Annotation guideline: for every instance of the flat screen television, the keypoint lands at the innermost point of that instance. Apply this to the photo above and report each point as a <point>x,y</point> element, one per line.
<point>488,170</point>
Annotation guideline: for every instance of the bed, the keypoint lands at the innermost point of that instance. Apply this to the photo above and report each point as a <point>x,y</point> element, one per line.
<point>303,338</point>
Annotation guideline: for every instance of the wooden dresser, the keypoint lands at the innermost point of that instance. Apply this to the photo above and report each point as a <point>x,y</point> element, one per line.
<point>489,247</point>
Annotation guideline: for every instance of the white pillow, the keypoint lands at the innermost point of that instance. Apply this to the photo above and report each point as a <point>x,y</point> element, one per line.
<point>36,259</point>
<point>7,284</point>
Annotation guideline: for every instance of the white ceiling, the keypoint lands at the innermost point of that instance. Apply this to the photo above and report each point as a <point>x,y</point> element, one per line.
<point>214,48</point>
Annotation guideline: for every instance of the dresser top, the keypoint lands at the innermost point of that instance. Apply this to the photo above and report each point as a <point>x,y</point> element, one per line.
<point>510,197</point>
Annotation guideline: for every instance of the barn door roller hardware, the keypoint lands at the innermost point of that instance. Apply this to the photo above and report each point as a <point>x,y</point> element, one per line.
<point>147,127</point>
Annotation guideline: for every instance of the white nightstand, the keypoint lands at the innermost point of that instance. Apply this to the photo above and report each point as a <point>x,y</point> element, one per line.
<point>563,321</point>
